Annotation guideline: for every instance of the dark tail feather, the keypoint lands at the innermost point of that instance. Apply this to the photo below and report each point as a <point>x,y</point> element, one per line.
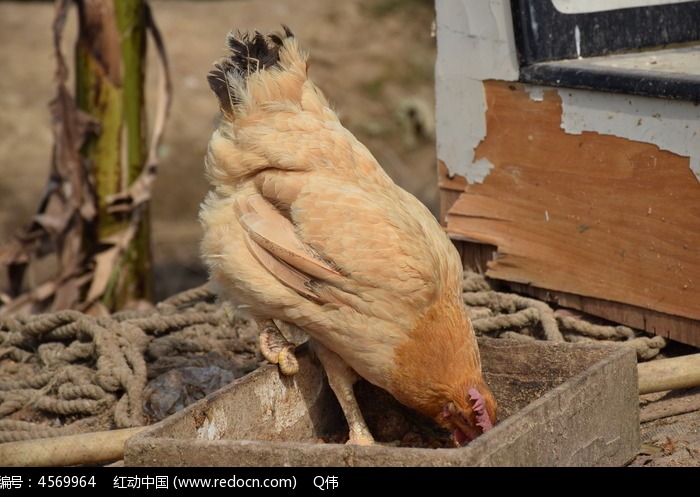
<point>249,53</point>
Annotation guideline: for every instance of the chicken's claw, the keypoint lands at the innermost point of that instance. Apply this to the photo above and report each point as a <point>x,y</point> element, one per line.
<point>360,437</point>
<point>277,349</point>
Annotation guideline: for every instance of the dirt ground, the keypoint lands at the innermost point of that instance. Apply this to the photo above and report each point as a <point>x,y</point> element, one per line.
<point>670,429</point>
<point>373,58</point>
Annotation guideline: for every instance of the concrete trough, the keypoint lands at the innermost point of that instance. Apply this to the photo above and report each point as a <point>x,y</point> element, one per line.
<point>560,405</point>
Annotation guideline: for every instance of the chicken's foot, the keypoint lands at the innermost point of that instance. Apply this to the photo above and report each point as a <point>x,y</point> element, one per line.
<point>277,349</point>
<point>341,378</point>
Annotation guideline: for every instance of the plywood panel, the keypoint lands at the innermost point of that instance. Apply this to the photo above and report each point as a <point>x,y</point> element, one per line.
<point>591,215</point>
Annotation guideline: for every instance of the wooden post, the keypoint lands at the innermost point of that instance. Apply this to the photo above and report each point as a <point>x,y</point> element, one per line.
<point>669,374</point>
<point>69,450</point>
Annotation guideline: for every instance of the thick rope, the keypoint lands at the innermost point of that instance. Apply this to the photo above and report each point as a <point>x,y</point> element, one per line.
<point>189,297</point>
<point>71,365</point>
<point>90,373</point>
<point>510,315</point>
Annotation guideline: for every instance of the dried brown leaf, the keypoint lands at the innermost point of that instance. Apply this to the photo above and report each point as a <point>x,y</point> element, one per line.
<point>105,263</point>
<point>650,450</point>
<point>96,309</point>
<point>70,291</point>
<point>669,446</point>
<point>44,291</point>
<point>12,251</point>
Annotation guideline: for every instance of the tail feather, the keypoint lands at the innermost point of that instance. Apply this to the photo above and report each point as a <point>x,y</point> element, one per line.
<point>249,54</point>
<point>268,105</point>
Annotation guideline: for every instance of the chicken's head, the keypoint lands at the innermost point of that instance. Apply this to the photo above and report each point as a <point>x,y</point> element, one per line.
<point>470,414</point>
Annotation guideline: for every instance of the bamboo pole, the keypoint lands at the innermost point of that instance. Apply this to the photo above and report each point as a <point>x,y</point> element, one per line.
<point>131,23</point>
<point>669,374</point>
<point>110,68</point>
<point>70,450</point>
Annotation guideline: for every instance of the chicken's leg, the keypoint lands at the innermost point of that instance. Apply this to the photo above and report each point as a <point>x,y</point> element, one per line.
<point>341,378</point>
<point>276,348</point>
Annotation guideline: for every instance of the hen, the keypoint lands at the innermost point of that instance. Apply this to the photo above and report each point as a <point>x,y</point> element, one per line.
<point>304,227</point>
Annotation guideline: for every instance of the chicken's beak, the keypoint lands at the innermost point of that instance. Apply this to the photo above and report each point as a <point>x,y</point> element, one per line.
<point>463,431</point>
<point>464,434</point>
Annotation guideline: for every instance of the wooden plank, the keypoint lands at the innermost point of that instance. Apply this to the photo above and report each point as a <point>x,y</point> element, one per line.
<point>670,406</point>
<point>591,215</point>
<point>476,257</point>
<point>451,187</point>
<point>674,373</point>
<point>449,182</point>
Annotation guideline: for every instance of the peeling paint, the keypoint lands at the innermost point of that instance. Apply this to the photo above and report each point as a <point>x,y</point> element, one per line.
<point>460,122</point>
<point>475,42</point>
<point>478,171</point>
<point>536,92</point>
<point>577,41</point>
<point>695,166</point>
<point>476,39</point>
<point>669,124</point>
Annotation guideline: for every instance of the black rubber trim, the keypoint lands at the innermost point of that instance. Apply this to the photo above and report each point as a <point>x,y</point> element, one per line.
<point>542,33</point>
<point>630,81</point>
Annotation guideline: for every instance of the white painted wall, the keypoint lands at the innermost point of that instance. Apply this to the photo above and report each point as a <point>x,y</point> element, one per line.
<point>475,42</point>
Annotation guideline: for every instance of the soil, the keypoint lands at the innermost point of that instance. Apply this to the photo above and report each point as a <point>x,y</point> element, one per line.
<point>670,429</point>
<point>373,58</point>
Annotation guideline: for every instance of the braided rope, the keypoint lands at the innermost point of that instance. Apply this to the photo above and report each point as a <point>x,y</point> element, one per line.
<point>88,367</point>
<point>509,315</point>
